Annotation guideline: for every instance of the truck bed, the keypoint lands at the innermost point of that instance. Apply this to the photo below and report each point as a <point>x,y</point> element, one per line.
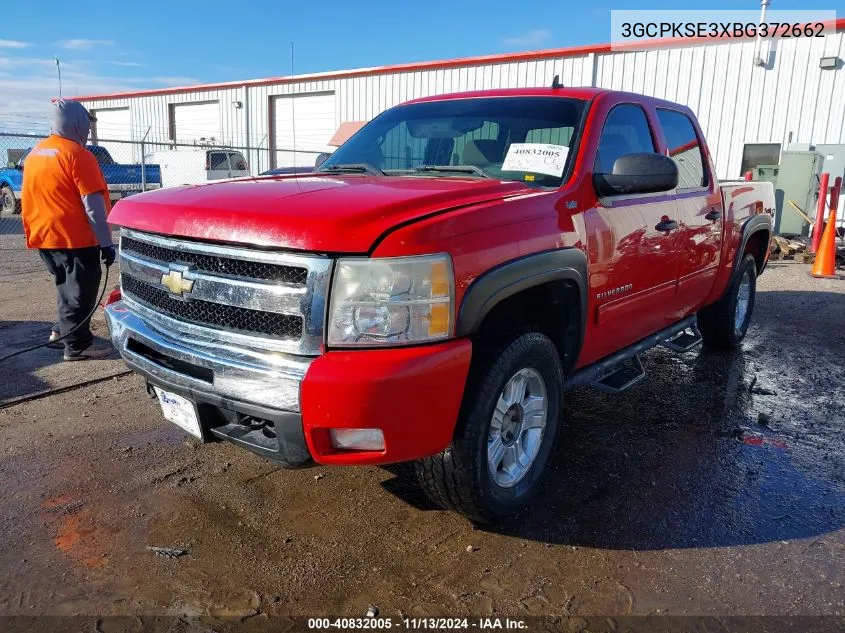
<point>744,198</point>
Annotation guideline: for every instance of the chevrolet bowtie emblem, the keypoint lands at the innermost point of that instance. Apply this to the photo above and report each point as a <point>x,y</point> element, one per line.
<point>176,283</point>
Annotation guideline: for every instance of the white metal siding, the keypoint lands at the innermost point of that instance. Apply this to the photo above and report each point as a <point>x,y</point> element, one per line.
<point>735,101</point>
<point>197,123</point>
<point>115,125</point>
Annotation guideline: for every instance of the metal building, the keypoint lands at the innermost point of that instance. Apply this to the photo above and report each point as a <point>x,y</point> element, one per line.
<point>753,99</point>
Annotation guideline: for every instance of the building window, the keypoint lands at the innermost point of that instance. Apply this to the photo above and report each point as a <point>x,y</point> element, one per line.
<point>756,154</point>
<point>684,148</point>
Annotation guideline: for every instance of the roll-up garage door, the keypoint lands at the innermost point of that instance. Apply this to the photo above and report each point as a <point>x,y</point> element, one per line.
<point>313,118</point>
<point>196,123</point>
<point>113,126</point>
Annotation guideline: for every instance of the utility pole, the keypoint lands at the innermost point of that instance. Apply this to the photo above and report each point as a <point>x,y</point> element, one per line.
<point>59,71</point>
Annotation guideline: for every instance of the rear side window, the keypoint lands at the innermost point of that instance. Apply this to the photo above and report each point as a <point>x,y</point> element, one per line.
<point>625,131</point>
<point>238,161</point>
<point>218,160</point>
<point>684,148</point>
<point>102,156</point>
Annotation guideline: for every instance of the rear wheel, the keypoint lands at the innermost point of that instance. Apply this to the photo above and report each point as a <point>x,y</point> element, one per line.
<point>725,323</point>
<point>9,204</point>
<point>508,427</point>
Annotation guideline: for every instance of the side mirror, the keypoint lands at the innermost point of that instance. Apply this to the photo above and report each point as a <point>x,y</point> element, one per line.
<point>322,158</point>
<point>638,173</point>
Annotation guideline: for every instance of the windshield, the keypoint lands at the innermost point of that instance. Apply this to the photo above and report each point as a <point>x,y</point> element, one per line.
<point>23,158</point>
<point>526,139</point>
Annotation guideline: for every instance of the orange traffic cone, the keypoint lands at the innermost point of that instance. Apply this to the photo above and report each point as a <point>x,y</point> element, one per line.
<point>825,265</point>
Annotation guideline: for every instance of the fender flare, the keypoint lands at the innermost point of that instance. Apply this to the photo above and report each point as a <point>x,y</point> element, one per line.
<point>754,224</point>
<point>516,275</point>
<point>5,181</point>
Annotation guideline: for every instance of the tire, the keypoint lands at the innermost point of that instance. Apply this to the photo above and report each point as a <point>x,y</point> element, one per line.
<point>461,478</point>
<point>724,324</point>
<point>9,204</point>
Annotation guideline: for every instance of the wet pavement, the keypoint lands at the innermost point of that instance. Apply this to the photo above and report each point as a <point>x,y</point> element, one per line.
<point>717,487</point>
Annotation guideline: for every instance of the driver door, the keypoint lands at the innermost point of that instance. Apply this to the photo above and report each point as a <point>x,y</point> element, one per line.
<point>638,295</point>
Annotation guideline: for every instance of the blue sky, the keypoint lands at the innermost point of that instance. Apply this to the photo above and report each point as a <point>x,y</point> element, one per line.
<point>114,46</point>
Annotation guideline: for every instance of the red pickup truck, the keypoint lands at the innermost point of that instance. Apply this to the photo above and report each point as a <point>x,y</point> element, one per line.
<point>432,290</point>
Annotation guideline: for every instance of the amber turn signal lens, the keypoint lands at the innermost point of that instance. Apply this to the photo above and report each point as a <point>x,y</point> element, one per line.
<point>439,321</point>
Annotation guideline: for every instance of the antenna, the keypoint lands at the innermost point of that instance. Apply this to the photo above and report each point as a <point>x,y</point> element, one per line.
<point>293,112</point>
<point>59,70</point>
<point>556,83</point>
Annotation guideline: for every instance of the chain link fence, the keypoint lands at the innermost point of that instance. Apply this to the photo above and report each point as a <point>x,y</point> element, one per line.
<point>132,167</point>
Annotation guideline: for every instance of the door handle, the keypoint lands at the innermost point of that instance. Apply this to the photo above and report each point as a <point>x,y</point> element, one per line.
<point>666,225</point>
<point>714,215</point>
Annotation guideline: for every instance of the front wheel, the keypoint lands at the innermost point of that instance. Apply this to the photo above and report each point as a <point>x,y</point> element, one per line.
<point>503,441</point>
<point>9,204</point>
<point>725,323</point>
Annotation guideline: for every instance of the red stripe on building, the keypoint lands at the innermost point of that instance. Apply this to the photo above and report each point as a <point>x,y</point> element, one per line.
<point>499,58</point>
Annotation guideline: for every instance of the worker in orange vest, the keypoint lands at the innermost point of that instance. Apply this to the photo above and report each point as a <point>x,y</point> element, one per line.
<point>65,203</point>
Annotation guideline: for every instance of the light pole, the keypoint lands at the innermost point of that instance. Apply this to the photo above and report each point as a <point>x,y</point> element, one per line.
<point>59,71</point>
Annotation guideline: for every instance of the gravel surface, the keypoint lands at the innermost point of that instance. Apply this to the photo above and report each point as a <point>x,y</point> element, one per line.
<point>716,487</point>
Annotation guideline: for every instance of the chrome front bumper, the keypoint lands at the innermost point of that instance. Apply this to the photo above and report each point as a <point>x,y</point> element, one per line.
<point>259,377</point>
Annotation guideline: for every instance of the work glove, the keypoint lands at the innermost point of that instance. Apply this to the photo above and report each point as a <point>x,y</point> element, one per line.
<point>107,255</point>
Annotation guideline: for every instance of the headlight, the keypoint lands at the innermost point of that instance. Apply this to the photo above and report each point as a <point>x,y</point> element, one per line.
<point>391,301</point>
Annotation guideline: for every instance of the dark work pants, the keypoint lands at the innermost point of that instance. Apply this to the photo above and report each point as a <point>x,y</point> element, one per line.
<point>77,274</point>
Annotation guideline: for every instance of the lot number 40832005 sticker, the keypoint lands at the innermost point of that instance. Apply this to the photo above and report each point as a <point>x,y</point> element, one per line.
<point>538,158</point>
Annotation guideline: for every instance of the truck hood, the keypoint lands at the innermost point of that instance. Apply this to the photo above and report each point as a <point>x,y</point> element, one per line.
<point>11,177</point>
<point>329,214</point>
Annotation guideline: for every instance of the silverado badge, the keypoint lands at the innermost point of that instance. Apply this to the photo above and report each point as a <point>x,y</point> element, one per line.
<point>615,291</point>
<point>176,283</point>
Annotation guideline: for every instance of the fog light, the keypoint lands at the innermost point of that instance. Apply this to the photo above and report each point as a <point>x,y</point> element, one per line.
<point>357,439</point>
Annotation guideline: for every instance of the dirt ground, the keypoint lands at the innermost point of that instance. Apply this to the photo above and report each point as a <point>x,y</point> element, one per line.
<point>715,487</point>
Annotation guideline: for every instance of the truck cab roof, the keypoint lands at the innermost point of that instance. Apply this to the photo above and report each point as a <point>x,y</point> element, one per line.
<point>572,93</point>
<point>575,92</point>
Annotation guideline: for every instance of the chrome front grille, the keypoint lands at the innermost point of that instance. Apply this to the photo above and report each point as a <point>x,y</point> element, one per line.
<point>214,315</point>
<point>256,299</point>
<point>266,271</point>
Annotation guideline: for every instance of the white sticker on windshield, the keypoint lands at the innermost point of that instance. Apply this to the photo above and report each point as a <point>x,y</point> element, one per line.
<point>538,158</point>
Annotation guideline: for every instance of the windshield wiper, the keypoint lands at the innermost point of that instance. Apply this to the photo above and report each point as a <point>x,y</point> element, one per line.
<point>466,169</point>
<point>359,167</point>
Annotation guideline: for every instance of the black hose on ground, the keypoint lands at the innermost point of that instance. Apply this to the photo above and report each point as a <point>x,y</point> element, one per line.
<point>6,404</point>
<point>64,336</point>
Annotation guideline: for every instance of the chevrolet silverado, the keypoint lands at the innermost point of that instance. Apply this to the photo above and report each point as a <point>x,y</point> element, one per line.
<point>432,290</point>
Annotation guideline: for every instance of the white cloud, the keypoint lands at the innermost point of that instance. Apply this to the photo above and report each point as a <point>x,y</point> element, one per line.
<point>29,63</point>
<point>83,45</point>
<point>14,44</point>
<point>29,97</point>
<point>25,97</point>
<point>27,85</point>
<point>529,39</point>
